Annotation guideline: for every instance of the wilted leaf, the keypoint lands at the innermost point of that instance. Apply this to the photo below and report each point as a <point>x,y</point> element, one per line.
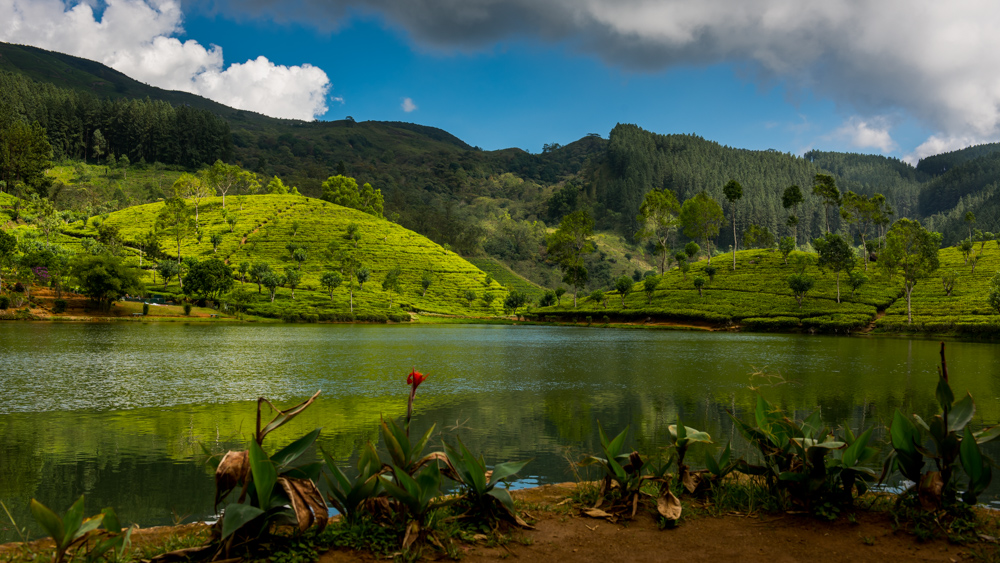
<point>690,480</point>
<point>412,532</point>
<point>929,490</point>
<point>668,505</point>
<point>282,417</point>
<point>307,502</point>
<point>597,513</point>
<point>233,470</point>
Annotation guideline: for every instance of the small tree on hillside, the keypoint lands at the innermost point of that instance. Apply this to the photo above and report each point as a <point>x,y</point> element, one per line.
<point>649,286</point>
<point>786,246</point>
<point>470,296</point>
<point>331,281</point>
<point>244,269</point>
<point>425,282</point>
<point>913,251</point>
<point>993,297</point>
<point>293,277</point>
<point>216,240</point>
<point>560,291</point>
<point>800,284</point>
<point>391,282</point>
<point>826,188</point>
<point>567,246</point>
<point>856,279</point>
<point>835,254</point>
<point>363,274</point>
<point>699,282</point>
<point>167,270</point>
<point>791,198</point>
<point>257,272</point>
<point>623,286</point>
<point>514,301</point>
<point>272,281</point>
<point>658,217</point>
<point>701,217</point>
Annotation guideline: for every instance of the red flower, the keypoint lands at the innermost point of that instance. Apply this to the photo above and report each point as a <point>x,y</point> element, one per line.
<point>415,378</point>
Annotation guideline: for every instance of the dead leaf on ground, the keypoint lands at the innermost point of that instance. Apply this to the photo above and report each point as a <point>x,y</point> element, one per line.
<point>669,506</point>
<point>597,513</point>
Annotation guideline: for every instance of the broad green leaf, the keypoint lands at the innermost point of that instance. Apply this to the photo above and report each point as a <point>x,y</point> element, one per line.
<point>49,521</point>
<point>944,395</point>
<point>110,522</point>
<point>73,520</point>
<point>265,475</point>
<point>903,434</point>
<point>855,450</point>
<point>760,413</point>
<point>503,470</point>
<point>88,525</point>
<point>726,455</point>
<point>340,480</point>
<point>961,413</point>
<point>392,443</point>
<point>291,452</point>
<point>812,425</point>
<point>615,448</point>
<point>711,465</point>
<point>504,497</point>
<point>418,448</point>
<point>236,516</point>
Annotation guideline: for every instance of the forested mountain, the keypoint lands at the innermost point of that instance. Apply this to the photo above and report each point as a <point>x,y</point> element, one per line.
<point>493,202</point>
<point>941,163</point>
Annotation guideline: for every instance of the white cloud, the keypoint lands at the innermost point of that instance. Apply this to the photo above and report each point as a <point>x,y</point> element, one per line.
<point>408,105</point>
<point>867,133</point>
<point>136,37</point>
<point>931,60</point>
<point>937,144</point>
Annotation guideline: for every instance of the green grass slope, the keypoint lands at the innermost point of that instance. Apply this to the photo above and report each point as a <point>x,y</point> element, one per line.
<point>267,223</point>
<point>508,278</point>
<point>756,296</point>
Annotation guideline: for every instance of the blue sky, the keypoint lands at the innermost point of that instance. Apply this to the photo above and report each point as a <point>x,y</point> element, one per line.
<point>904,78</point>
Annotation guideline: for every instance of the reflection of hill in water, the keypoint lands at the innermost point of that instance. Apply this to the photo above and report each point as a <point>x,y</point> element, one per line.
<point>513,393</point>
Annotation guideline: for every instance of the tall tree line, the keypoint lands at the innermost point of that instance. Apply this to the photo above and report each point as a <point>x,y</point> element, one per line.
<point>80,126</point>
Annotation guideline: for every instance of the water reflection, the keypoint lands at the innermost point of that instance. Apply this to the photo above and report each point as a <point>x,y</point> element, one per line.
<point>119,412</point>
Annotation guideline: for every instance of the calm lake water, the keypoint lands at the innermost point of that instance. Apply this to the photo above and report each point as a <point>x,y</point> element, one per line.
<point>120,412</point>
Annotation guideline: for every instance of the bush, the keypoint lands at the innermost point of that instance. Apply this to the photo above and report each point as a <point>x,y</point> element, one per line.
<point>145,309</point>
<point>4,302</point>
<point>770,323</point>
<point>187,308</point>
<point>58,306</point>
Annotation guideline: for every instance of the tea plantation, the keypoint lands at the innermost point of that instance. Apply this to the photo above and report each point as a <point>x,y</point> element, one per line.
<point>267,224</point>
<point>756,296</point>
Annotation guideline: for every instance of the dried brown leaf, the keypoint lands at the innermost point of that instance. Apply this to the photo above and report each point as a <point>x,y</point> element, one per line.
<point>597,513</point>
<point>307,502</point>
<point>668,505</point>
<point>233,470</point>
<point>412,532</point>
<point>930,489</point>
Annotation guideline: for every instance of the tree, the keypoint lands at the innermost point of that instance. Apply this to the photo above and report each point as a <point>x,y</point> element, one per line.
<point>826,188</point>
<point>560,291</point>
<point>701,217</point>
<point>489,298</point>
<point>786,246</point>
<point>710,272</point>
<point>276,187</point>
<point>791,198</point>
<point>567,246</point>
<point>966,247</point>
<point>948,281</point>
<point>548,299</point>
<point>682,263</point>
<point>257,272</point>
<point>425,282</point>
<point>272,281</point>
<point>470,296</point>
<point>856,279</point>
<point>733,192</point>
<point>391,282</point>
<point>98,144</point>
<point>863,212</point>
<point>216,240</point>
<point>192,187</point>
<point>658,217</point>
<point>351,266</point>
<point>691,250</point>
<point>343,190</point>
<point>238,299</point>
<point>293,277</point>
<point>208,278</point>
<point>105,278</point>
<point>222,177</point>
<point>623,286</point>
<point>300,255</point>
<point>758,237</point>
<point>970,220</point>
<point>699,282</point>
<point>25,155</point>
<point>800,284</point>
<point>363,274</point>
<point>913,251</point>
<point>244,270</point>
<point>649,286</point>
<point>167,270</point>
<point>836,254</point>
<point>514,301</point>
<point>175,218</point>
<point>231,220</point>
<point>331,281</point>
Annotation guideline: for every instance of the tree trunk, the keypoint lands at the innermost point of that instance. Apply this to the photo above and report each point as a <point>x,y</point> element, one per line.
<point>864,250</point>
<point>734,239</point>
<point>574,297</point>
<point>708,246</point>
<point>909,311</point>
<point>352,298</point>
<point>838,287</point>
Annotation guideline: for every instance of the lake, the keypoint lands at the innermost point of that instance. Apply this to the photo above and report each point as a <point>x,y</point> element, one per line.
<point>120,412</point>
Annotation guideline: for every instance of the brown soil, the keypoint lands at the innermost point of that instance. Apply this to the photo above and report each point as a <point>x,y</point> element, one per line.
<point>565,535</point>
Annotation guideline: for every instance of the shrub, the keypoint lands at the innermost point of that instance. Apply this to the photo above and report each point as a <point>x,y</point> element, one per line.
<point>59,306</point>
<point>4,302</point>
<point>145,309</point>
<point>187,308</point>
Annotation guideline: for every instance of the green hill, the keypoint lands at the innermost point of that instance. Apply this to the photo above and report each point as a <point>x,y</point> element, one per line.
<point>757,297</point>
<point>268,223</point>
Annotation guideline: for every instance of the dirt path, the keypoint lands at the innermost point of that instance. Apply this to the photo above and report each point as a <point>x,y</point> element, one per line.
<point>562,534</point>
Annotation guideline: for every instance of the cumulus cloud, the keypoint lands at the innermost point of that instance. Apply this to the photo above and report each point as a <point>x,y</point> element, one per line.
<point>935,61</point>
<point>867,133</point>
<point>136,37</point>
<point>408,105</point>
